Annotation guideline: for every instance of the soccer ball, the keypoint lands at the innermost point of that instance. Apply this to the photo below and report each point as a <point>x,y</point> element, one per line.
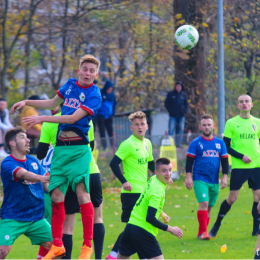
<point>186,37</point>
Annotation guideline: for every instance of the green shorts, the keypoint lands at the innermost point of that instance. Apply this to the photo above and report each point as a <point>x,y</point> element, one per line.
<point>70,164</point>
<point>47,207</point>
<point>206,192</point>
<point>38,231</point>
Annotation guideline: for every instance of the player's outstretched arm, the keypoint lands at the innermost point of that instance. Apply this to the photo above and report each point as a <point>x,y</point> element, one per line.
<point>64,119</point>
<point>30,176</point>
<point>43,104</point>
<point>175,231</point>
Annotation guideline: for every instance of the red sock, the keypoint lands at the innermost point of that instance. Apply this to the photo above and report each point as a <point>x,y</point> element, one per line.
<point>57,220</point>
<point>42,252</point>
<point>87,215</point>
<point>203,219</point>
<point>208,221</point>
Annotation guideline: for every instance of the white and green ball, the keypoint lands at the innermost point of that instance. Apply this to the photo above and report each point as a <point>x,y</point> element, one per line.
<point>186,37</point>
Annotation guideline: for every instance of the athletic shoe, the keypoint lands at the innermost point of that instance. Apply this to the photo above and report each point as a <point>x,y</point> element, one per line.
<point>110,257</point>
<point>55,251</point>
<point>214,230</point>
<point>204,236</point>
<point>86,252</point>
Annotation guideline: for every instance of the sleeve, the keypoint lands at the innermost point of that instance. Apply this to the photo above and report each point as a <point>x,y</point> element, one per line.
<point>42,150</point>
<point>228,130</point>
<point>92,103</point>
<point>189,163</point>
<point>151,166</point>
<point>45,134</point>
<point>62,90</point>
<point>150,152</point>
<point>150,218</point>
<point>192,150</point>
<point>114,164</point>
<point>224,153</point>
<point>166,102</point>
<point>225,165</point>
<point>155,198</point>
<point>123,151</point>
<point>91,131</point>
<point>9,170</point>
<point>231,151</point>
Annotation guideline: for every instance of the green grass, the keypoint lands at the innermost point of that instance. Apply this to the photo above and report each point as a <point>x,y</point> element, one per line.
<point>235,231</point>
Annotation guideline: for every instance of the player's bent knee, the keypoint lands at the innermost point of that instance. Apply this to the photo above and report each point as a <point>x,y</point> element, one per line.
<point>204,205</point>
<point>4,251</point>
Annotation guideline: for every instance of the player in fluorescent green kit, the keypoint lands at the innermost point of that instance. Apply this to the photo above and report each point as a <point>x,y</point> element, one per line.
<point>48,135</point>
<point>136,155</point>
<point>141,230</point>
<point>241,137</point>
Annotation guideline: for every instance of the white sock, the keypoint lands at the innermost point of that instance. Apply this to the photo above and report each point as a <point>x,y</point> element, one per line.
<point>113,254</point>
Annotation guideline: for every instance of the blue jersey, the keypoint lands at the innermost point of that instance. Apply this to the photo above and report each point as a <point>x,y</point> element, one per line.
<point>76,96</point>
<point>23,200</point>
<point>207,154</point>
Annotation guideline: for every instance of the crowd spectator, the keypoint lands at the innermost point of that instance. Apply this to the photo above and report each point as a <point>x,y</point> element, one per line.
<point>106,113</point>
<point>4,125</point>
<point>176,104</point>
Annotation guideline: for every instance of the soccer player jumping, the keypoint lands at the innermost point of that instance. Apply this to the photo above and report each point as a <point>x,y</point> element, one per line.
<point>207,151</point>
<point>241,137</point>
<point>72,155</point>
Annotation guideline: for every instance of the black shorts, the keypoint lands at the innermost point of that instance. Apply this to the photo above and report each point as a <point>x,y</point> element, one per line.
<point>128,201</point>
<point>239,176</point>
<point>138,240</point>
<point>71,200</point>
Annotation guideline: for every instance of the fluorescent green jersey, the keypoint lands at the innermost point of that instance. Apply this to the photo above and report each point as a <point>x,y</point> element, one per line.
<point>49,134</point>
<point>244,135</point>
<point>135,155</point>
<point>153,196</point>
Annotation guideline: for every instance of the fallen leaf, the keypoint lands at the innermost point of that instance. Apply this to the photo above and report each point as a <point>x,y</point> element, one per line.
<point>248,212</point>
<point>177,206</point>
<point>116,213</point>
<point>223,249</point>
<point>110,225</point>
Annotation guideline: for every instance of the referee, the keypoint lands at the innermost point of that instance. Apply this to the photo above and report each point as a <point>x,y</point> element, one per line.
<point>241,137</point>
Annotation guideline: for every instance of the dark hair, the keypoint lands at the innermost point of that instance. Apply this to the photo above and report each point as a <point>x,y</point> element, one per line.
<point>34,97</point>
<point>161,161</point>
<point>2,99</point>
<point>11,134</point>
<point>206,116</point>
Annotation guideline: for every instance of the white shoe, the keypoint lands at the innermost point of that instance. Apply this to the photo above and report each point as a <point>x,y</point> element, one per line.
<point>3,154</point>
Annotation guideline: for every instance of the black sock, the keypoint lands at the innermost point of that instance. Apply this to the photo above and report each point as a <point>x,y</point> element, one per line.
<point>257,254</point>
<point>67,242</point>
<point>116,245</point>
<point>98,238</point>
<point>256,217</point>
<point>224,208</point>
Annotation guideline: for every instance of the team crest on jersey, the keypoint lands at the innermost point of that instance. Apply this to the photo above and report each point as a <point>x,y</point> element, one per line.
<point>147,148</point>
<point>254,127</point>
<point>34,165</point>
<point>82,97</point>
<point>218,146</point>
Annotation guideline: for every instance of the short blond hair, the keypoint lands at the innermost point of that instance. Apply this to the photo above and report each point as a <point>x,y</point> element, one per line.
<point>138,114</point>
<point>90,59</point>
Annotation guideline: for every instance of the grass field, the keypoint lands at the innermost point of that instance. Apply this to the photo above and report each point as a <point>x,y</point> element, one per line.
<point>181,206</point>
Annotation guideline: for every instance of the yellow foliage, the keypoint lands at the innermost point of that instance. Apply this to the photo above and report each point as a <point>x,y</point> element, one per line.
<point>109,65</point>
<point>205,25</point>
<point>178,16</point>
<point>182,21</point>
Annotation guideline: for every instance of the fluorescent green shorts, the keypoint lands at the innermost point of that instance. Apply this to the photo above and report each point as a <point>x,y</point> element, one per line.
<point>38,231</point>
<point>70,164</point>
<point>206,192</point>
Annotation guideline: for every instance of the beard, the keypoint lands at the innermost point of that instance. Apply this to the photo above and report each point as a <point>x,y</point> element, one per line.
<point>207,134</point>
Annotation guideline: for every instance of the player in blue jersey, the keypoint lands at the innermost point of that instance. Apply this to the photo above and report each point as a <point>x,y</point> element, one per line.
<point>72,155</point>
<point>24,179</point>
<point>206,152</point>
